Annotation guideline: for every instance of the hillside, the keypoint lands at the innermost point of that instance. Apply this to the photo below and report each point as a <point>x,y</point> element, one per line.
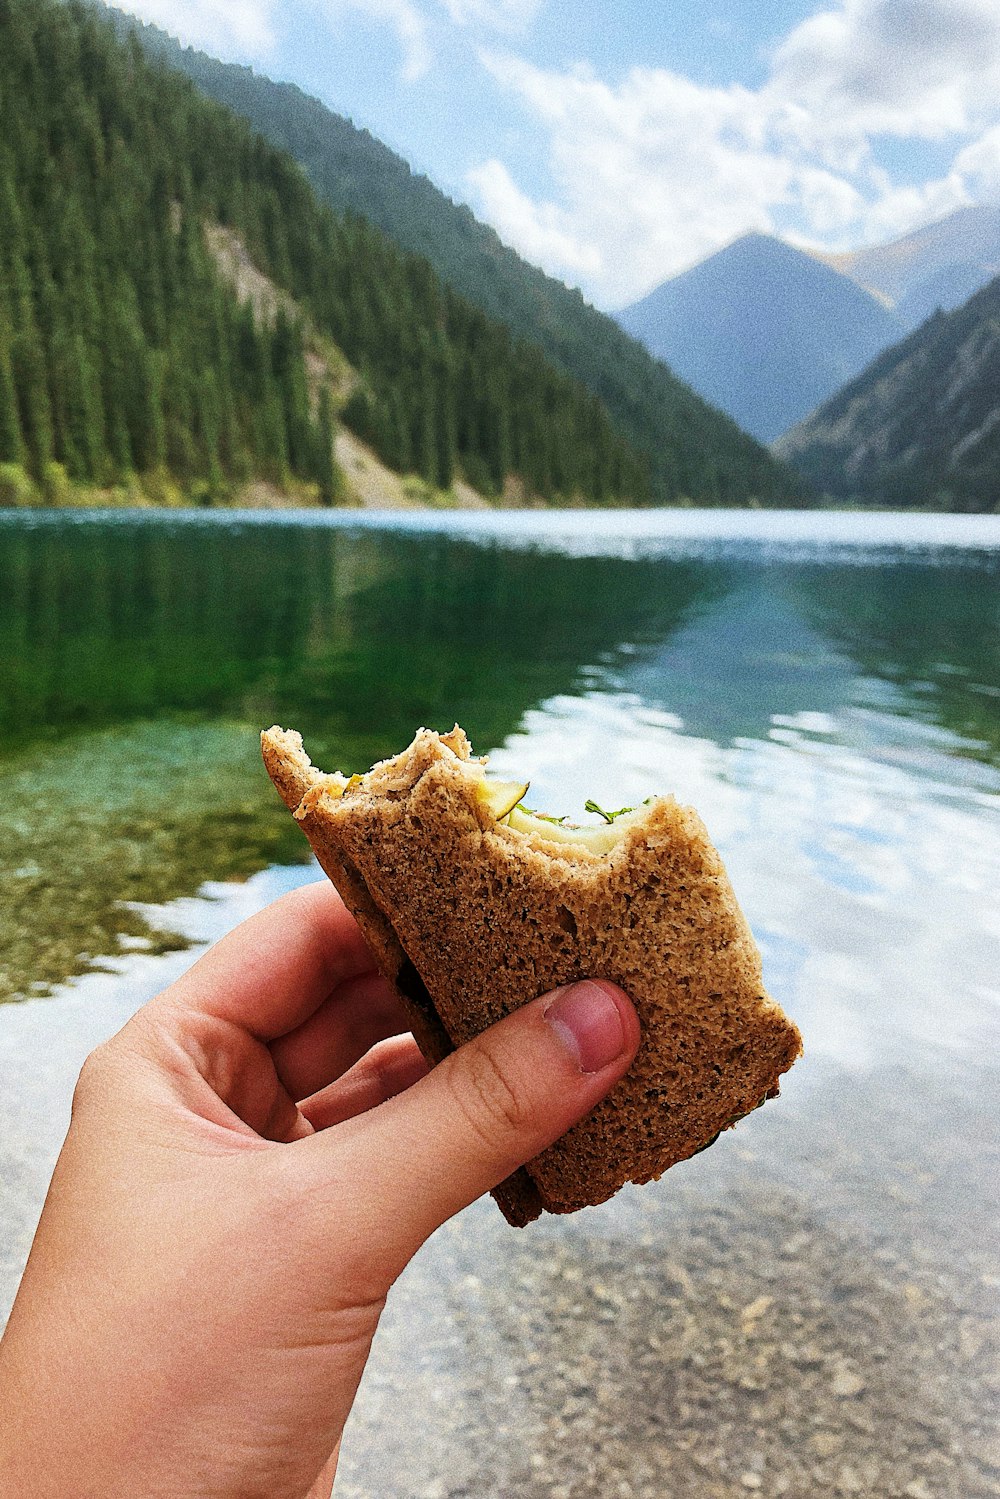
<point>121,351</point>
<point>939,266</point>
<point>693,452</point>
<point>762,330</point>
<point>921,426</point>
<point>127,351</point>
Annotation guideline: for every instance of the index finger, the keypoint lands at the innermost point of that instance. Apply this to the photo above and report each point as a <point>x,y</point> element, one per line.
<point>273,971</point>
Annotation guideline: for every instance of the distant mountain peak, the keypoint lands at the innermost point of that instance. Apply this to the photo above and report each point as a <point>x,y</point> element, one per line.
<point>939,265</point>
<point>763,330</point>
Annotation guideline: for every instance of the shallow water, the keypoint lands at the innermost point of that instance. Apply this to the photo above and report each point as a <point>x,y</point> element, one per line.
<point>808,1308</point>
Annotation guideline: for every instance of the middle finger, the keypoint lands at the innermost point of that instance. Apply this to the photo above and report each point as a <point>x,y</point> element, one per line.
<point>358,1014</point>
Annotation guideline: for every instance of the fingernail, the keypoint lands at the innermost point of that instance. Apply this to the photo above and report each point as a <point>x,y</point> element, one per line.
<point>588,1023</point>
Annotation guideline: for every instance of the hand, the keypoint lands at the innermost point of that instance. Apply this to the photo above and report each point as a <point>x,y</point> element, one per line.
<point>251,1162</point>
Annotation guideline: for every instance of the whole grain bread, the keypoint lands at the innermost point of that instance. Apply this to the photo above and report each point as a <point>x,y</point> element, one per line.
<point>471,918</point>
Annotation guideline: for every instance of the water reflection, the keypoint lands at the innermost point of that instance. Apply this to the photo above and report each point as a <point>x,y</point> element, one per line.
<point>138,663</point>
<point>749,656</point>
<point>933,632</point>
<point>809,1307</point>
<point>359,634</point>
<point>819,649</point>
<point>138,659</point>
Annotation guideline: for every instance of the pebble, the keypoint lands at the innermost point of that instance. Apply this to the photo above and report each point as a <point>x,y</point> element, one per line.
<point>756,1309</point>
<point>846,1384</point>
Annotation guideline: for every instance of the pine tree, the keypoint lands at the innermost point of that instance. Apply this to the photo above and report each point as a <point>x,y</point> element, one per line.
<point>124,347</point>
<point>11,441</point>
<point>326,463</point>
<point>208,406</point>
<point>79,418</point>
<point>423,432</point>
<point>496,426</point>
<point>35,407</point>
<point>358,415</point>
<point>446,428</point>
<point>15,279</point>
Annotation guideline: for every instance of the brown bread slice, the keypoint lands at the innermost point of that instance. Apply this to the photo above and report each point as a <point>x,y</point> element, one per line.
<point>470,918</point>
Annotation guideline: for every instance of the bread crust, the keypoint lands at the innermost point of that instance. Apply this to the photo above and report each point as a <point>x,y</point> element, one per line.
<point>471,919</point>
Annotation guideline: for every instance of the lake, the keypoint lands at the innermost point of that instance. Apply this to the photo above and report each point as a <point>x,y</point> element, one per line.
<point>810,1307</point>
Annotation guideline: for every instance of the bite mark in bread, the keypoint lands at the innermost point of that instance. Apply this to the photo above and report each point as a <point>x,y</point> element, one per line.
<point>472,914</point>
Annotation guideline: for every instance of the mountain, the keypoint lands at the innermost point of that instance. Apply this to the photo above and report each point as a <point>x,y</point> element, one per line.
<point>693,452</point>
<point>939,266</point>
<point>921,426</point>
<point>178,309</point>
<point>762,330</point>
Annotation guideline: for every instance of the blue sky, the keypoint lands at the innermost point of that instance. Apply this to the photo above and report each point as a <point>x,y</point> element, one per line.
<point>617,144</point>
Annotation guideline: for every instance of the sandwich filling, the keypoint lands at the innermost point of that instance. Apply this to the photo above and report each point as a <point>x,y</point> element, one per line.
<point>504,800</point>
<point>599,838</point>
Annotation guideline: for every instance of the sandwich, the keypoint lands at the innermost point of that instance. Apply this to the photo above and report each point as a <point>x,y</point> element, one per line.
<point>473,905</point>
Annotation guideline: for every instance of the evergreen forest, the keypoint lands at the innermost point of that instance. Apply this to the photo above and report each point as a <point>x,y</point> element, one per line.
<point>920,427</point>
<point>693,451</point>
<point>125,350</point>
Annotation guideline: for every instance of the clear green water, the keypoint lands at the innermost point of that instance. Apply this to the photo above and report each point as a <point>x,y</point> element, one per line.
<point>140,657</point>
<point>826,691</point>
<point>138,663</point>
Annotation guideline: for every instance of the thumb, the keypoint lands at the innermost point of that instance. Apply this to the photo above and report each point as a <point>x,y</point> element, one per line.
<point>487,1109</point>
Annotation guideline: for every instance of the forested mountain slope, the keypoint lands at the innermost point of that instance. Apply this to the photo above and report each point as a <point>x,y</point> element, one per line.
<point>921,425</point>
<point>693,451</point>
<point>121,350</point>
<point>763,330</point>
<point>124,349</point>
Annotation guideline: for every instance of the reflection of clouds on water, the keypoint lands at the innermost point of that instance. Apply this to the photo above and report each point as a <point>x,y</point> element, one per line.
<point>871,884</point>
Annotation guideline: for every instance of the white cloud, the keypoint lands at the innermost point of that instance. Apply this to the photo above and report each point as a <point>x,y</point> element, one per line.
<point>650,175</point>
<point>534,227</point>
<point>653,173</point>
<point>901,209</point>
<point>245,27</point>
<point>978,164</point>
<point>901,67</point>
<point>502,15</point>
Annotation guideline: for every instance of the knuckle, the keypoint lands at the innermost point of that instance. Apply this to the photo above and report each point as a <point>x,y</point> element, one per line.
<point>90,1084</point>
<point>489,1103</point>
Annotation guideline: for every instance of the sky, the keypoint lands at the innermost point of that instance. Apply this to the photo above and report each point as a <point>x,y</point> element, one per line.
<point>616,144</point>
